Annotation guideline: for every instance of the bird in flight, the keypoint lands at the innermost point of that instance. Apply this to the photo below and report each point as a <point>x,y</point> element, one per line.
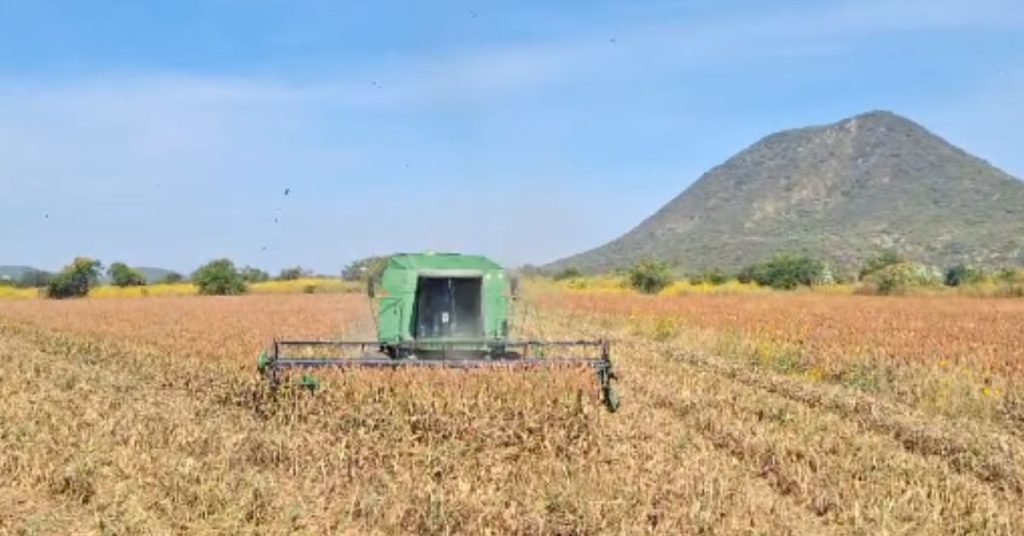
<point>287,191</point>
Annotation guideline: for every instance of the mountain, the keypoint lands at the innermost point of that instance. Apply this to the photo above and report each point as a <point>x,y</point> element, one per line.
<point>15,273</point>
<point>842,191</point>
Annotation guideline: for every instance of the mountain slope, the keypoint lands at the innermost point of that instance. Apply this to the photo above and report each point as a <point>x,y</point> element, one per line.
<point>842,191</point>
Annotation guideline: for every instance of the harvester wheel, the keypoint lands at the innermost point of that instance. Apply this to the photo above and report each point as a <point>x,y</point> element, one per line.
<point>611,399</point>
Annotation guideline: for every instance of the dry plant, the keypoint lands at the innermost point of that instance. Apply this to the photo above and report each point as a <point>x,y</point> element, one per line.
<point>128,416</point>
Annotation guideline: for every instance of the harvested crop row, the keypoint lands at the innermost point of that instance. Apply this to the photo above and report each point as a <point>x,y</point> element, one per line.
<point>135,440</point>
<point>828,464</point>
<point>983,334</point>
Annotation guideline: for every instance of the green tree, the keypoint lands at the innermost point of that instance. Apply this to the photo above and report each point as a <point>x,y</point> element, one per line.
<point>173,277</point>
<point>75,279</point>
<point>786,271</point>
<point>714,276</point>
<point>963,274</point>
<point>123,275</point>
<point>291,274</point>
<point>568,273</point>
<point>901,277</point>
<point>650,276</point>
<point>365,269</point>
<point>219,277</point>
<point>254,275</point>
<point>879,261</point>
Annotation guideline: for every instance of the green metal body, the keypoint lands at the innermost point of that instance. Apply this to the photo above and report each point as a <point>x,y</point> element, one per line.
<point>399,312</point>
<point>439,310</point>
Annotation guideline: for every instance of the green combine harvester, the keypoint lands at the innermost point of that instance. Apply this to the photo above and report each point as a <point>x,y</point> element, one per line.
<point>437,310</point>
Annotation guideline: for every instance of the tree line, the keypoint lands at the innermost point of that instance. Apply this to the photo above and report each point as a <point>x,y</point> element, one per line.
<point>220,277</point>
<point>887,272</point>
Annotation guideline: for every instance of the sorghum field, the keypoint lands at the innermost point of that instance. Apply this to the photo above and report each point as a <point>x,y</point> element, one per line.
<point>763,413</point>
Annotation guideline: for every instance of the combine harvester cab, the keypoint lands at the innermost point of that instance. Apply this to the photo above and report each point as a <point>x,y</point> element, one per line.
<point>441,310</point>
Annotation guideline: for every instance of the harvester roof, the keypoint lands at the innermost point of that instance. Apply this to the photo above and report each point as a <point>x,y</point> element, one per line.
<point>441,262</point>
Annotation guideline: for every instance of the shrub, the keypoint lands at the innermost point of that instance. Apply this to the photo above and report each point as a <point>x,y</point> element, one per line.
<point>787,271</point>
<point>650,276</point>
<point>1010,275</point>
<point>880,261</point>
<point>900,277</point>
<point>291,274</point>
<point>963,274</point>
<point>124,276</point>
<point>75,279</point>
<point>568,273</point>
<point>714,276</point>
<point>219,277</point>
<point>254,275</point>
<point>173,277</point>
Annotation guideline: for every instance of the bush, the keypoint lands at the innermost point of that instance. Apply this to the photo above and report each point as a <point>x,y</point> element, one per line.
<point>219,277</point>
<point>291,274</point>
<point>75,280</point>
<point>254,275</point>
<point>787,271</point>
<point>650,276</point>
<point>715,276</point>
<point>122,275</point>
<point>568,273</point>
<point>963,274</point>
<point>173,277</point>
<point>880,261</point>
<point>900,277</point>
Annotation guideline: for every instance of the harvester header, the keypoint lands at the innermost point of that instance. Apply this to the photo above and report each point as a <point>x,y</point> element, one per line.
<point>441,310</point>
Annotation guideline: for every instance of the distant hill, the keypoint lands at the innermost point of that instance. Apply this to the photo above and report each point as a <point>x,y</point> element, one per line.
<point>15,273</point>
<point>153,275</point>
<point>842,191</point>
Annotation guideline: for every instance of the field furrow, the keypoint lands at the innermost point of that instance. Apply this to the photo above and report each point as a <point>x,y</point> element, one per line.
<point>142,416</point>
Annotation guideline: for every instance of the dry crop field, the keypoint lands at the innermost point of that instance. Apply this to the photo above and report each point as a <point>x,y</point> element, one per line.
<point>762,413</point>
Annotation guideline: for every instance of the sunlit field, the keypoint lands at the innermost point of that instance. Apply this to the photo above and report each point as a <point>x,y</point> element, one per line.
<point>748,411</point>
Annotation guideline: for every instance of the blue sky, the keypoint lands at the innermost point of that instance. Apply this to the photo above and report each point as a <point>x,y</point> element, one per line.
<point>165,133</point>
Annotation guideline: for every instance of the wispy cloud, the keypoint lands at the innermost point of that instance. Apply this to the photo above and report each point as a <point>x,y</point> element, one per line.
<point>771,31</point>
